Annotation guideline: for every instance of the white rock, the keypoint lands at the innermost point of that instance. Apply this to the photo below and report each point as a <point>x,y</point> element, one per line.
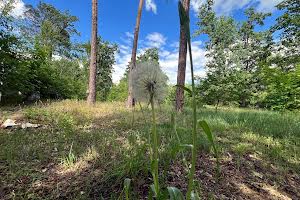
<point>29,125</point>
<point>9,123</point>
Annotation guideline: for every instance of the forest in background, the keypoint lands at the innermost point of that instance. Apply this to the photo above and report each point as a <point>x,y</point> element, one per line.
<point>246,67</point>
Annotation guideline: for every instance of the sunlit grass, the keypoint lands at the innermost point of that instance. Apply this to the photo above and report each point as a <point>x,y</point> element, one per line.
<point>107,149</point>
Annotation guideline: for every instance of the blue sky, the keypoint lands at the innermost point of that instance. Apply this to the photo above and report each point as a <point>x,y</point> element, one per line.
<point>159,26</point>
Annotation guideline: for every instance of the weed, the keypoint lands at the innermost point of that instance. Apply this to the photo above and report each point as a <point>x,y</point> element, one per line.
<point>70,159</point>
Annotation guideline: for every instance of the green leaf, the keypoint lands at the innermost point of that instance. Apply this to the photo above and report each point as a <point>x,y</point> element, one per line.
<point>175,193</point>
<point>195,196</point>
<point>152,186</point>
<point>152,165</point>
<point>209,135</point>
<point>186,146</point>
<point>210,138</point>
<point>184,88</point>
<point>126,187</point>
<point>151,192</point>
<point>207,131</point>
<point>127,183</point>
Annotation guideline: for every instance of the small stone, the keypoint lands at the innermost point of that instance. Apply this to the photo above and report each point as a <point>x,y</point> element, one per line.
<point>29,125</point>
<point>9,123</point>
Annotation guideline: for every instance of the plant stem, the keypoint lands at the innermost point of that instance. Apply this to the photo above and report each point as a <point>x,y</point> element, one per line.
<point>194,136</point>
<point>133,110</point>
<point>141,107</point>
<point>155,149</point>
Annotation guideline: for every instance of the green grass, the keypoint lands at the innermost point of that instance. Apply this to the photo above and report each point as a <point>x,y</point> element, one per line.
<point>84,152</point>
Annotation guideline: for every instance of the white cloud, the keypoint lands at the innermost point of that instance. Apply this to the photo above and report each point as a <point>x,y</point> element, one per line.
<point>268,5</point>
<point>150,5</point>
<point>169,63</point>
<point>168,54</point>
<point>227,6</point>
<point>129,35</point>
<point>120,66</point>
<point>155,40</point>
<point>17,10</point>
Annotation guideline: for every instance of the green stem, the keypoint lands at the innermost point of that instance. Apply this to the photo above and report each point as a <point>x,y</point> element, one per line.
<point>178,139</point>
<point>155,150</point>
<point>192,170</point>
<point>143,112</point>
<point>132,123</point>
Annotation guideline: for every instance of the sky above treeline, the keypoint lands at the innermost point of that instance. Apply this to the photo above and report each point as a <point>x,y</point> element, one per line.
<point>159,26</point>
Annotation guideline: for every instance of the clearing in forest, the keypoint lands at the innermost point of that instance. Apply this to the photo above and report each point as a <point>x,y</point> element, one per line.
<point>82,152</point>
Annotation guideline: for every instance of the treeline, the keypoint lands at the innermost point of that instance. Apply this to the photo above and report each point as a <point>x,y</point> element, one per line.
<point>40,61</point>
<point>249,66</point>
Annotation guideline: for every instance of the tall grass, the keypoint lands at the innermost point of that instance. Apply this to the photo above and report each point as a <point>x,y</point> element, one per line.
<point>108,149</point>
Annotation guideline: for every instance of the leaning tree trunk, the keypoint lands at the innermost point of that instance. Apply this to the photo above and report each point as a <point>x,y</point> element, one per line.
<point>130,100</point>
<point>91,99</point>
<point>182,62</point>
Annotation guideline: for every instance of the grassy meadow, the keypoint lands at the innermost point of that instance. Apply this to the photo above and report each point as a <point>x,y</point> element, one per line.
<point>83,152</point>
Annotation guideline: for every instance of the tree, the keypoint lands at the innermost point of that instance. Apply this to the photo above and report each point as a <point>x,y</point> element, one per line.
<point>105,61</point>
<point>150,54</point>
<point>130,100</point>
<point>289,26</point>
<point>282,89</point>
<point>253,49</point>
<point>182,61</point>
<point>13,70</point>
<point>51,28</point>
<point>222,31</point>
<point>236,53</point>
<point>91,99</point>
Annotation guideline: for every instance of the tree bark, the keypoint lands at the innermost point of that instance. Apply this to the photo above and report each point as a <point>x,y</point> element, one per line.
<point>179,102</point>
<point>130,100</point>
<point>91,99</point>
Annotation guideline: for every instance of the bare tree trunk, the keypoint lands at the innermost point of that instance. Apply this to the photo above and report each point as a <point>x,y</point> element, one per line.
<point>182,62</point>
<point>130,100</point>
<point>91,99</point>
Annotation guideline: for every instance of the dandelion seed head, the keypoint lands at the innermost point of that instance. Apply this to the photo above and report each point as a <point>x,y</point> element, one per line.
<point>148,80</point>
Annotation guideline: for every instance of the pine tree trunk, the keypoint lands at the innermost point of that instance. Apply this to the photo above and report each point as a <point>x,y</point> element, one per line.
<point>130,100</point>
<point>91,99</point>
<point>182,62</point>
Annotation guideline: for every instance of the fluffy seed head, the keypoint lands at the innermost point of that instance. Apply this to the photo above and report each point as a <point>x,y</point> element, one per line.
<point>149,81</point>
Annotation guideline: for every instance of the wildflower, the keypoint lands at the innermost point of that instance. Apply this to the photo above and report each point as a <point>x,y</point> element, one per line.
<point>149,82</point>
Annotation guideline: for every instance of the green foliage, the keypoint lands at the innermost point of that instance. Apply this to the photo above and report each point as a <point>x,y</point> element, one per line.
<point>203,124</point>
<point>119,91</point>
<point>105,61</point>
<point>51,28</point>
<point>246,67</point>
<point>288,24</point>
<point>150,54</point>
<point>175,193</point>
<point>69,160</point>
<point>126,188</point>
<point>47,64</point>
<point>13,65</point>
<point>283,91</point>
<point>26,68</point>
